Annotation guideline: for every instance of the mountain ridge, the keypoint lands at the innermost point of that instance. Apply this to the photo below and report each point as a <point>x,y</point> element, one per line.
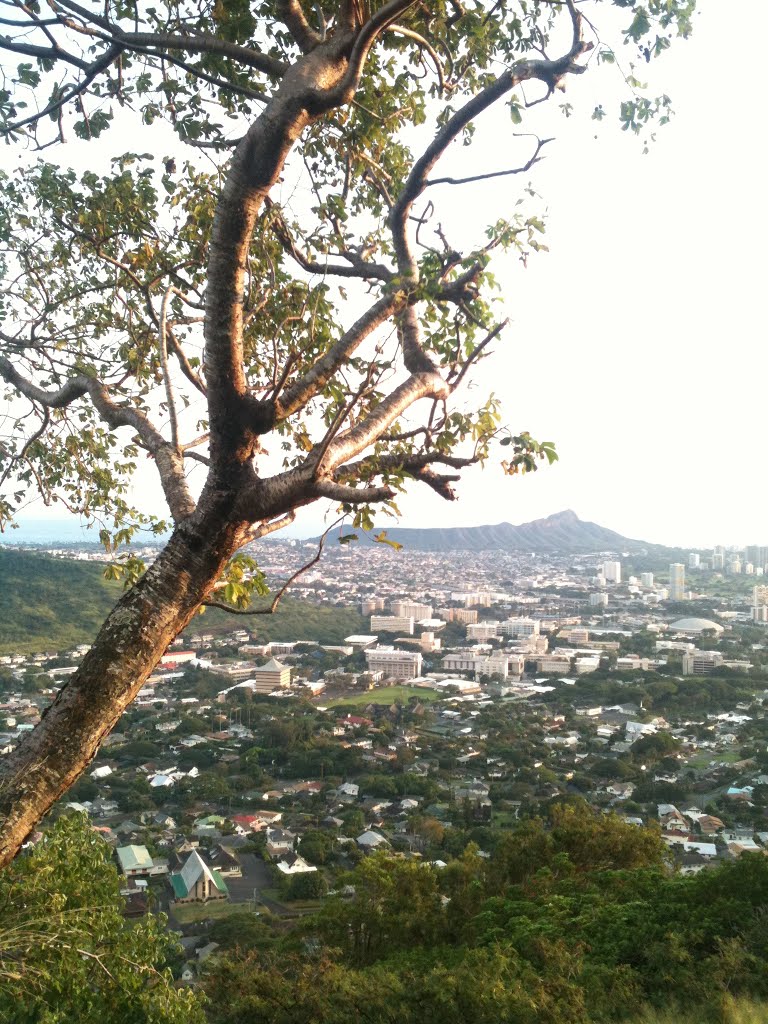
<point>562,532</point>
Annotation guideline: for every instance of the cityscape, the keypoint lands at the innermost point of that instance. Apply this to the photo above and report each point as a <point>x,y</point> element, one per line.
<point>474,690</point>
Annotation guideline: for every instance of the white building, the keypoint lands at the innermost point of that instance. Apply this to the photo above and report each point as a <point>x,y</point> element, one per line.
<point>482,630</point>
<point>411,609</point>
<point>646,579</point>
<point>393,663</point>
<point>392,624</point>
<point>520,627</point>
<point>598,600</point>
<point>612,572</point>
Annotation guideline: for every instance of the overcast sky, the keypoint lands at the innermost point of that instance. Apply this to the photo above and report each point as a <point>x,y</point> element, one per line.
<point>637,343</point>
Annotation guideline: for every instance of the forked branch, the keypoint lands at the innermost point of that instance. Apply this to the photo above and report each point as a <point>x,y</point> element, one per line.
<point>272,607</point>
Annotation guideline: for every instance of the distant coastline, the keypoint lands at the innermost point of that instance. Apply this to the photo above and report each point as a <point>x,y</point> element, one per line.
<point>47,533</point>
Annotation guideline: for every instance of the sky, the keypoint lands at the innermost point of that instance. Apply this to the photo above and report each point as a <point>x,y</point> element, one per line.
<point>637,344</point>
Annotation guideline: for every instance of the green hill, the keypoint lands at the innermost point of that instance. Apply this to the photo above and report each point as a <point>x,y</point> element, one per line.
<point>53,604</point>
<point>50,604</point>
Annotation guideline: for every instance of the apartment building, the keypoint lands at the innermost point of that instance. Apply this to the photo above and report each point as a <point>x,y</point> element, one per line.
<point>412,609</point>
<point>392,624</point>
<point>612,572</point>
<point>676,581</point>
<point>519,627</point>
<point>393,663</point>
<point>463,615</point>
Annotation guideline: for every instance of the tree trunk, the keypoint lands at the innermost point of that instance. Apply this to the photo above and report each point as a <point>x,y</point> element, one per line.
<point>127,648</point>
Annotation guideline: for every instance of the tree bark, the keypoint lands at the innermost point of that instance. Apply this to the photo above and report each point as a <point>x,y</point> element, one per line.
<point>126,650</point>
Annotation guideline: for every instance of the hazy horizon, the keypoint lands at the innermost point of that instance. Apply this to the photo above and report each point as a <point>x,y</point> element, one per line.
<point>629,341</point>
<point>68,531</point>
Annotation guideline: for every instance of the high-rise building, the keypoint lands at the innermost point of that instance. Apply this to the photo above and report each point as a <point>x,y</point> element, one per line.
<point>759,595</point>
<point>718,560</point>
<point>612,572</point>
<point>694,560</point>
<point>676,581</point>
<point>598,600</point>
<point>757,555</point>
<point>646,579</point>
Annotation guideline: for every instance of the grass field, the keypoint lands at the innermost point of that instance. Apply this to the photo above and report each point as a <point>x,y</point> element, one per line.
<point>383,695</point>
<point>187,913</point>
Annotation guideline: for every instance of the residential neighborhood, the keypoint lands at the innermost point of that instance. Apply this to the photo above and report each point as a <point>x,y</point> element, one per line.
<point>250,775</point>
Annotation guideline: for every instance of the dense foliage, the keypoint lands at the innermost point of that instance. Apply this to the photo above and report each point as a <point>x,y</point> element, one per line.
<point>34,616</point>
<point>66,951</point>
<point>574,920</point>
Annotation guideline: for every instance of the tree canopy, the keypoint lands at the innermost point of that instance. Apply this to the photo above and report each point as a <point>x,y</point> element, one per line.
<point>281,308</point>
<point>67,952</point>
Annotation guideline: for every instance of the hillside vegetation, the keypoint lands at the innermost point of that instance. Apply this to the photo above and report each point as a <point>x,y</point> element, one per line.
<point>50,604</point>
<point>53,604</point>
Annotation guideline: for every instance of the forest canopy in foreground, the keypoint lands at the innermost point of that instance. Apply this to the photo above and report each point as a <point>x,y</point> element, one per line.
<point>574,920</point>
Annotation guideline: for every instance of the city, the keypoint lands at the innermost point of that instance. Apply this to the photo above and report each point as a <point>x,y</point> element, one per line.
<point>252,774</point>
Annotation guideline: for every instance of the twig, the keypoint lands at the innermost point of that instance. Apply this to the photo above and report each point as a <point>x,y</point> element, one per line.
<point>279,595</point>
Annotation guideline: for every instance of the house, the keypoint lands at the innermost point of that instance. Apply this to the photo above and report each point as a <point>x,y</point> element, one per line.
<point>136,860</point>
<point>197,883</point>
<point>621,790</point>
<point>279,841</point>
<point>348,792</point>
<point>709,824</point>
<point>294,864</point>
<point>225,861</point>
<point>371,841</point>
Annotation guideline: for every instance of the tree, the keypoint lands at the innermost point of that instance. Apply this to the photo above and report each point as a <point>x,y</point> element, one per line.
<point>68,952</point>
<point>175,313</point>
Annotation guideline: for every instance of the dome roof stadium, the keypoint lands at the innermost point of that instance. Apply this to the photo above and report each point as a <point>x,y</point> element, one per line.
<point>695,625</point>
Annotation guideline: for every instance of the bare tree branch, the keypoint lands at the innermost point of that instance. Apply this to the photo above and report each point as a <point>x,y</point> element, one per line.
<point>189,42</point>
<point>289,582</point>
<point>548,71</point>
<point>492,174</point>
<point>297,395</point>
<point>477,353</point>
<point>292,16</point>
<point>358,267</point>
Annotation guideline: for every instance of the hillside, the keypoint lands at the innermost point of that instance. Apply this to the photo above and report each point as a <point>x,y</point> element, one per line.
<point>52,604</point>
<point>562,532</point>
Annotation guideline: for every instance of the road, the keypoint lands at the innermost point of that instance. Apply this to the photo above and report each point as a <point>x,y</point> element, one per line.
<point>256,877</point>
